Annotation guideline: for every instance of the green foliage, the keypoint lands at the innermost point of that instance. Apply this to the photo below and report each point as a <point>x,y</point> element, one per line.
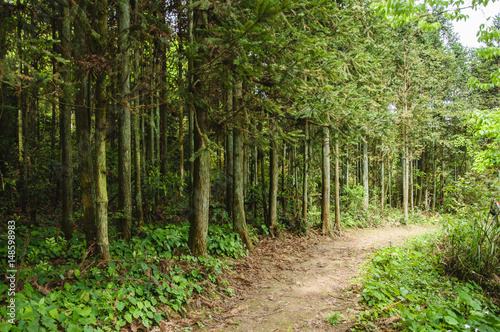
<point>223,243</point>
<point>472,240</point>
<point>352,198</point>
<point>471,195</point>
<point>354,215</point>
<point>472,247</point>
<point>147,278</point>
<point>334,318</point>
<point>486,126</point>
<point>408,283</point>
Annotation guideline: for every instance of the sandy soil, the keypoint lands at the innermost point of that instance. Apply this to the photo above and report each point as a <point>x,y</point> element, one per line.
<point>292,284</point>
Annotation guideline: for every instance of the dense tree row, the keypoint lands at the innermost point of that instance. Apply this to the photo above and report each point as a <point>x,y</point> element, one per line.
<point>119,113</point>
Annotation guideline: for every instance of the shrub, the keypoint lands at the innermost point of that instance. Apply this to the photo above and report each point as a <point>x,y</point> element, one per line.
<point>407,286</point>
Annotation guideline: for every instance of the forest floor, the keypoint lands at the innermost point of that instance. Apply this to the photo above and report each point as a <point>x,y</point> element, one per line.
<point>294,283</point>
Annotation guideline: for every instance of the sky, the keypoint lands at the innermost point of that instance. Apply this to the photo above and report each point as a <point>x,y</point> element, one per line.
<point>467,29</point>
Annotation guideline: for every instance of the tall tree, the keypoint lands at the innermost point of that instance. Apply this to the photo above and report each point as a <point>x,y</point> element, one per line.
<point>65,122</point>
<point>83,119</point>
<point>325,183</point>
<point>272,223</point>
<point>101,22</point>
<point>305,171</point>
<point>201,169</point>
<point>239,219</point>
<point>124,127</point>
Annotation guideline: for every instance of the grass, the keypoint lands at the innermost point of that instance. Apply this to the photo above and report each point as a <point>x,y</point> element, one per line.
<point>334,318</point>
<point>472,249</point>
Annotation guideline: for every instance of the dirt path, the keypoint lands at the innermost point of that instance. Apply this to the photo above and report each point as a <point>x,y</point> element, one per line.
<point>292,285</point>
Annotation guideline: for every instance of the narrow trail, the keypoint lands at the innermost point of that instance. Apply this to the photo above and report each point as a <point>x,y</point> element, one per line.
<point>292,285</point>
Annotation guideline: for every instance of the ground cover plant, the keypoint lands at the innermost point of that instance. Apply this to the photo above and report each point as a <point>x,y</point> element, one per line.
<point>408,289</point>
<point>149,279</point>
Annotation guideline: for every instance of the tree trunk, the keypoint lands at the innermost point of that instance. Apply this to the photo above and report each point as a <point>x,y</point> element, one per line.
<point>239,220</point>
<point>83,127</point>
<point>201,187</point>
<point>201,177</point>
<point>390,184</point>
<point>306,171</point>
<point>325,187</point>
<point>412,205</point>
<point>273,182</point>
<point>137,163</point>
<point>347,169</point>
<point>434,176</point>
<point>405,175</point>
<point>180,87</point>
<point>100,139</point>
<point>337,185</point>
<point>230,156</point>
<point>163,91</point>
<point>136,128</point>
<point>382,187</point>
<point>191,82</point>
<point>366,201</point>
<point>65,121</point>
<point>124,138</point>
<point>283,180</point>
<point>260,157</point>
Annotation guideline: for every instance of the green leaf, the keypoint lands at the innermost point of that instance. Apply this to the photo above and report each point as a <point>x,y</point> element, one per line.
<point>450,320</point>
<point>34,326</point>
<point>85,297</point>
<point>136,313</point>
<point>128,317</point>
<point>74,328</point>
<point>53,313</point>
<point>120,305</point>
<point>84,312</point>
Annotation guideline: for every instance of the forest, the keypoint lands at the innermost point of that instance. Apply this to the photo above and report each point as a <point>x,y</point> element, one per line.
<point>148,146</point>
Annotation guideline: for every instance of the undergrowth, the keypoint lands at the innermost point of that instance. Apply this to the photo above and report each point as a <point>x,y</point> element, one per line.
<point>408,289</point>
<point>472,250</point>
<point>148,279</point>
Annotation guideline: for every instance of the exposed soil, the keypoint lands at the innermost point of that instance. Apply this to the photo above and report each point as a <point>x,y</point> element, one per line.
<point>292,284</point>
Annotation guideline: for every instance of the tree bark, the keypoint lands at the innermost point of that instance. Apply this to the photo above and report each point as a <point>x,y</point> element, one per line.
<point>83,119</point>
<point>201,177</point>
<point>201,187</point>
<point>325,187</point>
<point>306,171</point>
<point>405,175</point>
<point>100,138</point>
<point>366,200</point>
<point>163,109</point>
<point>412,196</point>
<point>347,169</point>
<point>273,182</point>
<point>263,191</point>
<point>239,220</point>
<point>230,156</point>
<point>390,183</point>
<point>434,176</point>
<point>65,121</point>
<point>382,185</point>
<point>180,87</point>
<point>337,185</point>
<point>283,180</point>
<point>124,138</point>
